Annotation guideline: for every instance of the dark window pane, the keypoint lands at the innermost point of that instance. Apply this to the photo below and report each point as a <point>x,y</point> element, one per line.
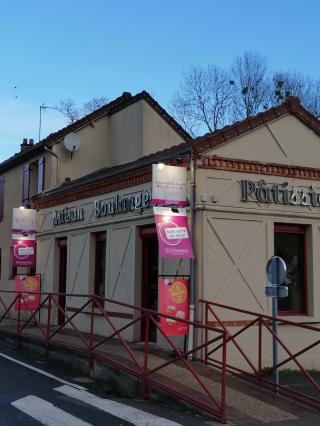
<point>290,245</point>
<point>100,264</point>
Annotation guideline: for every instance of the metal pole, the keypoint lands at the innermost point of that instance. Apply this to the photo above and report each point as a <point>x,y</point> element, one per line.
<point>192,261</point>
<point>40,122</point>
<point>274,341</point>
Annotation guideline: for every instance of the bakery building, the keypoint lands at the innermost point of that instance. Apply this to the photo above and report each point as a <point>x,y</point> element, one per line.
<point>257,193</point>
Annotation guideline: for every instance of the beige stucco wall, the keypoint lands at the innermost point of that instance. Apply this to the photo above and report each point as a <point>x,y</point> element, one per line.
<point>126,134</point>
<point>235,238</point>
<point>157,134</point>
<point>93,153</point>
<point>284,141</point>
<point>114,139</point>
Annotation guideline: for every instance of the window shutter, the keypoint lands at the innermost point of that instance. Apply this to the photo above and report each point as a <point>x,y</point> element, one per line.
<point>26,184</point>
<point>2,181</point>
<point>40,174</point>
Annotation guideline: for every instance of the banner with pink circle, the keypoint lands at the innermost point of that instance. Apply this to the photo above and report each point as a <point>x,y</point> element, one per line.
<point>23,250</point>
<point>173,232</point>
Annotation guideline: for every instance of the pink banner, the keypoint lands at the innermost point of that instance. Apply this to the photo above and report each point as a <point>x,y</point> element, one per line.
<point>173,233</point>
<point>174,301</point>
<point>27,285</point>
<point>23,250</point>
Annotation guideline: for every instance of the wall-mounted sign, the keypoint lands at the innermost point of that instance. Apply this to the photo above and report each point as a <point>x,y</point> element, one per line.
<point>278,193</point>
<point>174,301</point>
<point>23,238</point>
<point>122,204</point>
<point>173,232</point>
<point>27,285</point>
<point>68,215</point>
<point>169,185</point>
<point>24,220</point>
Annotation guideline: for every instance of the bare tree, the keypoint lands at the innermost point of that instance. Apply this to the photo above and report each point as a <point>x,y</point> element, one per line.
<point>202,100</point>
<point>313,102</point>
<point>93,104</point>
<point>250,85</point>
<point>69,109</point>
<point>73,112</point>
<point>290,83</point>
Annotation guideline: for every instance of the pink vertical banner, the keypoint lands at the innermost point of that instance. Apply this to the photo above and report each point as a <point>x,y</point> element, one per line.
<point>173,233</point>
<point>23,250</point>
<point>24,237</point>
<point>28,285</point>
<point>174,301</point>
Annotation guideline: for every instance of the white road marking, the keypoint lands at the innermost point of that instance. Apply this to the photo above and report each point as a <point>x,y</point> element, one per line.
<point>125,412</point>
<point>44,373</point>
<point>46,413</point>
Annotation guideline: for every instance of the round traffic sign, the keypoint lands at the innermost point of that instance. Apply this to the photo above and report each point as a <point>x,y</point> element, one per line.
<point>276,270</point>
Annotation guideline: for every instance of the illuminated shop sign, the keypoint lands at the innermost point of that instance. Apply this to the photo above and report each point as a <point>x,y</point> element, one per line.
<point>68,215</point>
<point>118,204</point>
<point>278,193</point>
<point>122,204</point>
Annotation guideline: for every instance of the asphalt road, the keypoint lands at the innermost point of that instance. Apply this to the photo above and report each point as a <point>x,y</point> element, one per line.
<point>32,394</point>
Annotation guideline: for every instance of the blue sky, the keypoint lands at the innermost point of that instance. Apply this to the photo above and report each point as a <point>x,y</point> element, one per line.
<point>53,50</point>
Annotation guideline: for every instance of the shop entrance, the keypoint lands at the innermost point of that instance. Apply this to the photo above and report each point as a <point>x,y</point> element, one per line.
<point>62,244</point>
<point>149,284</point>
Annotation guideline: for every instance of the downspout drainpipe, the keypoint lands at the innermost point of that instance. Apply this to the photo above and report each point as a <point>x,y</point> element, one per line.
<point>58,164</point>
<point>192,261</point>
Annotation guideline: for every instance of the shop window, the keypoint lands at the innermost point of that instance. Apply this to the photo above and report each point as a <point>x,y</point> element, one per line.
<point>33,180</point>
<point>290,244</point>
<point>100,264</point>
<point>26,184</point>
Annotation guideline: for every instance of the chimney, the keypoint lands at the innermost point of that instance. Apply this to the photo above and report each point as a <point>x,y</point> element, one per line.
<point>26,145</point>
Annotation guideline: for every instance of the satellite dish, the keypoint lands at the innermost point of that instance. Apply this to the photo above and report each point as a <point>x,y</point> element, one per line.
<point>72,142</point>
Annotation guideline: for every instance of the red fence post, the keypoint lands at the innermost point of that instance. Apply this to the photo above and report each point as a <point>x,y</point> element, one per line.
<point>223,378</point>
<point>48,327</point>
<point>146,392</point>
<point>260,348</point>
<point>18,325</point>
<point>206,334</point>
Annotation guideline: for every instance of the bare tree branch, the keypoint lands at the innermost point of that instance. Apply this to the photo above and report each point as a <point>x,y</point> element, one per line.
<point>249,73</point>
<point>69,109</point>
<point>204,96</point>
<point>93,104</point>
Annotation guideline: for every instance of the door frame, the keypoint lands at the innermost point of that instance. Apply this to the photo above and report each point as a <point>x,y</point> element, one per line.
<point>62,280</point>
<point>145,232</point>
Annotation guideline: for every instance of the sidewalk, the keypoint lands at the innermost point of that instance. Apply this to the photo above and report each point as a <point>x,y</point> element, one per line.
<point>247,404</point>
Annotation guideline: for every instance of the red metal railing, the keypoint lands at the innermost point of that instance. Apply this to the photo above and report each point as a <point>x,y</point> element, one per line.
<point>97,313</point>
<point>249,341</point>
